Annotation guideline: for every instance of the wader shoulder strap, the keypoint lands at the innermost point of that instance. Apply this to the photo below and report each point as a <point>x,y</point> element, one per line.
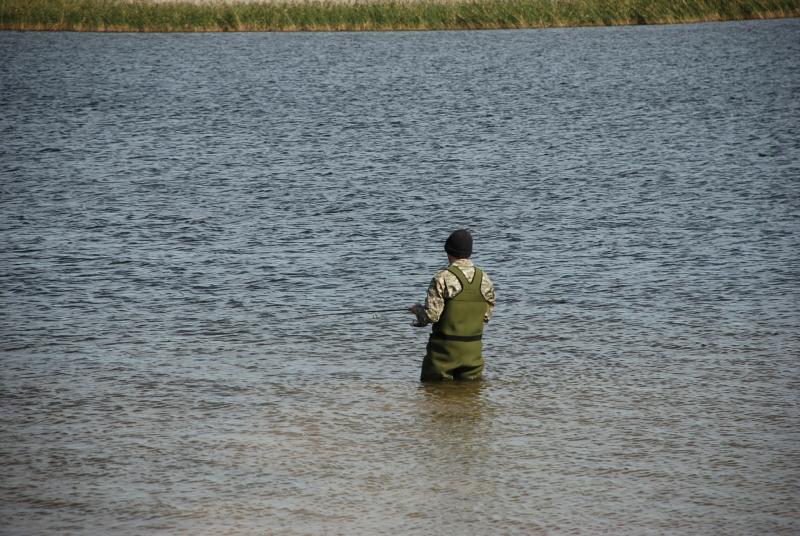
<point>463,279</point>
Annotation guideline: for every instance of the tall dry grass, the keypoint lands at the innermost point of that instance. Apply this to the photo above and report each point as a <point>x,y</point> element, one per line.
<point>354,15</point>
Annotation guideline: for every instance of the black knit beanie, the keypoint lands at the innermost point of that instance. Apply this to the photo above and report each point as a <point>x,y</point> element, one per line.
<point>459,244</point>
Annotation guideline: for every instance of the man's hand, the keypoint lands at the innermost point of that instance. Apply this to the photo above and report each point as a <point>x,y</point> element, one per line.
<point>419,311</point>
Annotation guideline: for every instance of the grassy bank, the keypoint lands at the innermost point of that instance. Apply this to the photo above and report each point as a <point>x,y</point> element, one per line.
<point>327,15</point>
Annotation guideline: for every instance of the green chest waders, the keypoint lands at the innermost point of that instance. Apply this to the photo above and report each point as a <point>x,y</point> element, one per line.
<point>454,348</point>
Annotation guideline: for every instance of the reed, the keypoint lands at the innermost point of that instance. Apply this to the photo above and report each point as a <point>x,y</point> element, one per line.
<point>333,15</point>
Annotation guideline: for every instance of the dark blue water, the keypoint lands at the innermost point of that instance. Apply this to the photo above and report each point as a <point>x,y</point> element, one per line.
<point>174,208</point>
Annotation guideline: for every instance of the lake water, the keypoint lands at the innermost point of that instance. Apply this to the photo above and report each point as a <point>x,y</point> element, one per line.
<point>178,213</point>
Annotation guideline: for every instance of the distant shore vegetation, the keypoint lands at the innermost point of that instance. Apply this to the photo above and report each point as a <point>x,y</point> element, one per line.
<point>369,15</point>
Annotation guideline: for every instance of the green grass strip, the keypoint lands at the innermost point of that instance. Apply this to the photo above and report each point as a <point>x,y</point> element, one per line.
<point>333,15</point>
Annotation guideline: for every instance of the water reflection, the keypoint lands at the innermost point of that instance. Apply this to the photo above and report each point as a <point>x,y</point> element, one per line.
<point>457,399</point>
<point>453,421</point>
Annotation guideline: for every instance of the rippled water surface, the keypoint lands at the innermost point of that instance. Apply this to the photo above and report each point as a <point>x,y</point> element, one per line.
<point>179,212</point>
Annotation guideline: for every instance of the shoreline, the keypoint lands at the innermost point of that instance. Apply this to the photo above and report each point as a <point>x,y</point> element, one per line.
<point>183,16</point>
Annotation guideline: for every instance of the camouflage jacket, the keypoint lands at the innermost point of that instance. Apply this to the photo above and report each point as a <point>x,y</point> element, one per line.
<point>445,285</point>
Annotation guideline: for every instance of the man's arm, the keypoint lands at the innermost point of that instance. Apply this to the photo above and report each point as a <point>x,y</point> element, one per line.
<point>434,303</point>
<point>434,299</point>
<point>487,289</point>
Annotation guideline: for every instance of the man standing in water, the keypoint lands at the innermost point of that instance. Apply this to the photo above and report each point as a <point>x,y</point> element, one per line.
<point>460,300</point>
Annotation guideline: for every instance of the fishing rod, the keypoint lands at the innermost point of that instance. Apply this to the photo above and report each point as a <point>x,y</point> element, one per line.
<point>357,312</point>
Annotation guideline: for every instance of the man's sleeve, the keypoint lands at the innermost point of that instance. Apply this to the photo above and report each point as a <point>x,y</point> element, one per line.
<point>434,299</point>
<point>487,289</point>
